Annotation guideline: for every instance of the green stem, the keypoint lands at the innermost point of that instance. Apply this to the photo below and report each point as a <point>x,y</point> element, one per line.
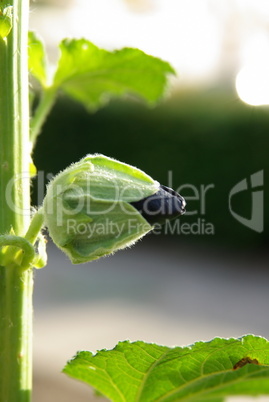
<point>24,245</point>
<point>16,284</point>
<point>35,226</point>
<point>16,334</point>
<point>47,100</point>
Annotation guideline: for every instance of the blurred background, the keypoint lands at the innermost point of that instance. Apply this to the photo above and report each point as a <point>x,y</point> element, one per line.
<point>208,275</point>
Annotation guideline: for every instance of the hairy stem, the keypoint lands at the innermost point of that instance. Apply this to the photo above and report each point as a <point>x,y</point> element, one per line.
<point>15,283</point>
<point>35,226</point>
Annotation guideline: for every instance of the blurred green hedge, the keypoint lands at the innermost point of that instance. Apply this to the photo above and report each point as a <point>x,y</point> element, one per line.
<point>202,137</point>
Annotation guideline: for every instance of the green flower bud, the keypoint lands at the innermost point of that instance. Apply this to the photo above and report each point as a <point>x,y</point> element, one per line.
<point>99,205</point>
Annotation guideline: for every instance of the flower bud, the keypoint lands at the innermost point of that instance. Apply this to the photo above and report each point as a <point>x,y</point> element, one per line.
<point>99,205</point>
<point>163,205</point>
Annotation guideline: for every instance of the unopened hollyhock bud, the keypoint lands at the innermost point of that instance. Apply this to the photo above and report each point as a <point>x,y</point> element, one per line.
<point>99,205</point>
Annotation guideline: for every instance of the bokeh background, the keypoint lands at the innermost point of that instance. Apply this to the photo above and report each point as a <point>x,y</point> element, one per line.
<point>210,131</point>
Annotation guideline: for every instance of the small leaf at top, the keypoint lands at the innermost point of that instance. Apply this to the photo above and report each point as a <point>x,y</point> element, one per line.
<point>92,75</point>
<point>5,21</point>
<point>205,371</point>
<point>37,60</point>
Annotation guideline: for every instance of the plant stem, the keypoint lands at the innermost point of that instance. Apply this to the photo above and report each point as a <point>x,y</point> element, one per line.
<point>15,284</point>
<point>26,250</point>
<point>16,335</point>
<point>47,100</point>
<point>35,226</point>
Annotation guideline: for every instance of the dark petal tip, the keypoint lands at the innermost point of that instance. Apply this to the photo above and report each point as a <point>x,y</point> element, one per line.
<point>163,205</point>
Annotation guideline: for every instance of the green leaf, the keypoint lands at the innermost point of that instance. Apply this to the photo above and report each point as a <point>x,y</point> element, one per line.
<point>92,75</point>
<point>5,21</point>
<point>37,60</point>
<point>203,372</point>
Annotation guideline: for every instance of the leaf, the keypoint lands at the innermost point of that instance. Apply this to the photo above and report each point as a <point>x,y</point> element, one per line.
<point>37,61</point>
<point>92,75</point>
<point>203,372</point>
<point>5,21</point>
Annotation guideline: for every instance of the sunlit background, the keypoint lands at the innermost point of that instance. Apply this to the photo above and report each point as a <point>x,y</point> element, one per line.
<point>210,132</point>
<point>205,40</point>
